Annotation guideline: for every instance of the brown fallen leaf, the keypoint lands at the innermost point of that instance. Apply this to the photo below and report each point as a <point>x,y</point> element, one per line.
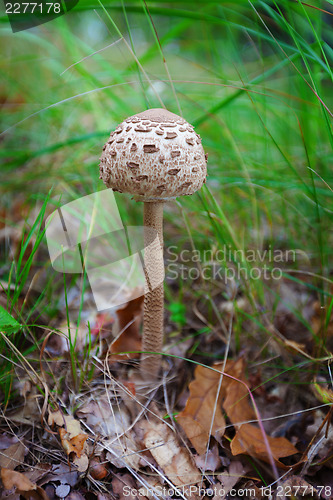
<point>173,459</point>
<point>249,438</point>
<point>73,440</point>
<point>29,490</point>
<point>73,444</point>
<point>250,441</point>
<point>256,491</point>
<point>12,479</point>
<point>236,402</point>
<point>60,419</point>
<point>196,418</point>
<point>72,334</point>
<point>12,456</point>
<point>127,325</point>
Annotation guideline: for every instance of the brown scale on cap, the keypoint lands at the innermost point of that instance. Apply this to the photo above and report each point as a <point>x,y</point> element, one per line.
<point>150,148</point>
<point>173,171</point>
<point>171,135</point>
<point>132,164</point>
<point>139,128</point>
<point>139,138</point>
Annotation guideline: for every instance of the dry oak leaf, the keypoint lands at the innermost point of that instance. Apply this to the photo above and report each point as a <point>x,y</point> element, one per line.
<point>250,441</point>
<point>73,444</point>
<point>196,418</point>
<point>236,402</point>
<point>249,438</point>
<point>73,426</point>
<point>72,439</point>
<point>175,461</point>
<point>25,487</point>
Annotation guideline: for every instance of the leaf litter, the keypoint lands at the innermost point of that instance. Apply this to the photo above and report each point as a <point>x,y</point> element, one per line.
<point>112,431</point>
<point>207,401</point>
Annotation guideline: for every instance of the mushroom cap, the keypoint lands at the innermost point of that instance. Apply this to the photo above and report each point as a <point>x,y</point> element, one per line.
<point>155,156</point>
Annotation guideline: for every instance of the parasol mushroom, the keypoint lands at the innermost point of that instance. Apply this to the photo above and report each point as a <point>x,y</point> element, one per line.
<point>155,156</point>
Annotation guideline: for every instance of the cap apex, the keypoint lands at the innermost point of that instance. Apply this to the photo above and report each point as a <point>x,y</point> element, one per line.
<point>159,115</point>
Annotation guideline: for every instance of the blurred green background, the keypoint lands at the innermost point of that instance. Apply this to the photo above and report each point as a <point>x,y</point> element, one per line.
<point>254,78</point>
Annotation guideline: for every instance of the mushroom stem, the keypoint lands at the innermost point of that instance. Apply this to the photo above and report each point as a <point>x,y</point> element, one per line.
<point>152,340</point>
